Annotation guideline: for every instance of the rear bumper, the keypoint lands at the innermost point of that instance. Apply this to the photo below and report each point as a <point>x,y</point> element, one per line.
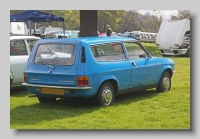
<point>58,87</point>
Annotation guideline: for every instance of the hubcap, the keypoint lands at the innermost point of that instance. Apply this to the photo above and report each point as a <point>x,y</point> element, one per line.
<point>107,95</point>
<point>166,83</point>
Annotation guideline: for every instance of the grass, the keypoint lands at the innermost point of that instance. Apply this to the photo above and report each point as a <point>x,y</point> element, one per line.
<point>141,110</point>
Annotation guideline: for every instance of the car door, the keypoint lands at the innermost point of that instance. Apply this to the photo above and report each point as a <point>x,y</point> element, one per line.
<point>18,58</point>
<point>112,63</point>
<point>143,68</point>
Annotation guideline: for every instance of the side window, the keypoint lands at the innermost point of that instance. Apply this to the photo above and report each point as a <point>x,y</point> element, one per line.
<point>31,43</point>
<point>18,47</point>
<point>134,50</point>
<point>108,52</point>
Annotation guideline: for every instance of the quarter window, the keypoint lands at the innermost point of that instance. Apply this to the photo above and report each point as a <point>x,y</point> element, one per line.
<point>18,47</point>
<point>108,52</point>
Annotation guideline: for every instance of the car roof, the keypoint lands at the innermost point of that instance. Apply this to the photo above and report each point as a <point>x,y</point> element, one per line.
<point>88,40</point>
<point>23,37</point>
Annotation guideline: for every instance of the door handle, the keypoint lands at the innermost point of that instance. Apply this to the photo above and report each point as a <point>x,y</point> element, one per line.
<point>134,64</point>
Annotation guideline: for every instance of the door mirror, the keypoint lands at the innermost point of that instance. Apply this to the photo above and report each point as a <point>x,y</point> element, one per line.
<point>150,54</point>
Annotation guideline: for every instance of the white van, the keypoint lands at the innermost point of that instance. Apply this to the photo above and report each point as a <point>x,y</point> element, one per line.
<point>173,37</point>
<point>18,28</point>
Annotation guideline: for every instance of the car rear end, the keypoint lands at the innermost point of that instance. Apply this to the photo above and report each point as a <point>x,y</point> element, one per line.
<point>52,69</point>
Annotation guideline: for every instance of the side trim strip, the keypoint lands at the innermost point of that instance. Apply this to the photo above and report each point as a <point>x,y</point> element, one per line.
<point>62,87</point>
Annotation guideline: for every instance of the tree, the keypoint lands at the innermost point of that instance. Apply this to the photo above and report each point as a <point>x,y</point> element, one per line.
<point>110,17</point>
<point>150,23</point>
<point>16,11</point>
<point>88,23</point>
<point>130,21</point>
<point>72,18</point>
<point>182,14</point>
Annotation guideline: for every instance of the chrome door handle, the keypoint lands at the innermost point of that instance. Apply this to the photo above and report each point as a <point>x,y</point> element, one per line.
<point>134,64</point>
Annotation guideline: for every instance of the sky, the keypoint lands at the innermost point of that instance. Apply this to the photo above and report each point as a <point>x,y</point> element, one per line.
<point>165,13</point>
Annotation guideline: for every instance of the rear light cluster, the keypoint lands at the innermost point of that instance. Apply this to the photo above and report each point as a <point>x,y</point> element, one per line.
<point>83,81</point>
<point>25,78</point>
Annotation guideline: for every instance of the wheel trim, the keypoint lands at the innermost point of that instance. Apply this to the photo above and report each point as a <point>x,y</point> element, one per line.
<point>107,95</point>
<point>166,83</point>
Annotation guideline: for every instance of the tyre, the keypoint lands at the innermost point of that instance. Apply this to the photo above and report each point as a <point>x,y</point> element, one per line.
<point>46,99</point>
<point>164,83</point>
<point>105,95</point>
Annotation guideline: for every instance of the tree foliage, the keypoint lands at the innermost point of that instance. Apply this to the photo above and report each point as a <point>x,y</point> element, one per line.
<point>110,17</point>
<point>182,14</point>
<point>130,21</point>
<point>119,20</point>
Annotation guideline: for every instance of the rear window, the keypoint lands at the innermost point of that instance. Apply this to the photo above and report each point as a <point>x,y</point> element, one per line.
<point>18,47</point>
<point>55,54</point>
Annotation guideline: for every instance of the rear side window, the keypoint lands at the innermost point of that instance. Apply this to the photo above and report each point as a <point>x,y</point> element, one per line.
<point>56,54</point>
<point>18,47</point>
<point>108,52</point>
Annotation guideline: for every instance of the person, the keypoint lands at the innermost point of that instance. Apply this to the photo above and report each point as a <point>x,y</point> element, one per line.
<point>109,31</point>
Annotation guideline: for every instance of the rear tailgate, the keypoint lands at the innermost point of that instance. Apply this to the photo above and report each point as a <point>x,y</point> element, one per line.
<point>59,68</point>
<point>60,75</point>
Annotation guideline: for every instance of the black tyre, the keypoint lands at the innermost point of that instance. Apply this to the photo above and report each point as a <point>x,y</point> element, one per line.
<point>105,95</point>
<point>164,83</point>
<point>47,99</point>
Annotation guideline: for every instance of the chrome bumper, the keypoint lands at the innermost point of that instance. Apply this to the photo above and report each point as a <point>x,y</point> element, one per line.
<point>60,87</point>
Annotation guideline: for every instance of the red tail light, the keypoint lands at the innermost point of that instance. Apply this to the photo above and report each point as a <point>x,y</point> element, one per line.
<point>25,78</point>
<point>82,81</point>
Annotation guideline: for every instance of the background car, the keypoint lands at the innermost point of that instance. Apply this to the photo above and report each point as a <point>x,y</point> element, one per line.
<point>133,35</point>
<point>20,49</point>
<point>104,34</point>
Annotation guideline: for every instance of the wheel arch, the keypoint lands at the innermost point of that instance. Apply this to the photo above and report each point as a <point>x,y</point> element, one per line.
<point>165,68</point>
<point>112,80</point>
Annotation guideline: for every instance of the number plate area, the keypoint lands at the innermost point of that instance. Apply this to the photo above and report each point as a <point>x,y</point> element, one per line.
<point>53,91</point>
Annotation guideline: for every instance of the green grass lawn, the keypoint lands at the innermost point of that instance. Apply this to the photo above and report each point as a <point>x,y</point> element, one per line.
<point>142,110</point>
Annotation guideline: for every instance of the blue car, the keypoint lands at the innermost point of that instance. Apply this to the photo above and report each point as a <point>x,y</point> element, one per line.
<point>97,68</point>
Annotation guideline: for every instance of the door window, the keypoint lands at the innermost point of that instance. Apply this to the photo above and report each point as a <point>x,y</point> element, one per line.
<point>134,50</point>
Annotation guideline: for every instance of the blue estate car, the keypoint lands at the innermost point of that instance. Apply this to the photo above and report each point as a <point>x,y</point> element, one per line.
<point>98,68</point>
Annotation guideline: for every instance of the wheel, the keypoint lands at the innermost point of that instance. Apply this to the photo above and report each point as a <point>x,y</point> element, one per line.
<point>46,99</point>
<point>164,83</point>
<point>105,95</point>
